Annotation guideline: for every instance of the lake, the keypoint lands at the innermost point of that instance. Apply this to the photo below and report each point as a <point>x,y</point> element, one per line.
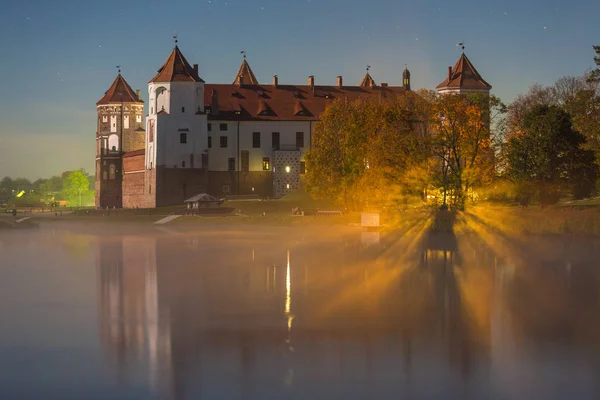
<point>126,312</point>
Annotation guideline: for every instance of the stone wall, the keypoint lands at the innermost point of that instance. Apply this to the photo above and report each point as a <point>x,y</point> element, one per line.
<point>222,183</point>
<point>174,185</point>
<point>286,177</point>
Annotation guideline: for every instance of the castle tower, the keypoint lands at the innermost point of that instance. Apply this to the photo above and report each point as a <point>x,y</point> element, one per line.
<point>406,79</point>
<point>463,78</point>
<point>176,134</point>
<point>119,130</point>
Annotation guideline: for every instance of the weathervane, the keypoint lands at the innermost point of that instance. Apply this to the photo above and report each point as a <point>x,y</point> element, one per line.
<point>244,53</point>
<point>119,68</point>
<point>175,37</point>
<point>368,68</point>
<point>462,46</point>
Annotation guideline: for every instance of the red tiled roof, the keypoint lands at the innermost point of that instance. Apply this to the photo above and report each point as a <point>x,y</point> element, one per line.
<point>134,153</point>
<point>119,92</point>
<point>464,76</point>
<point>245,75</point>
<point>176,69</point>
<point>284,102</point>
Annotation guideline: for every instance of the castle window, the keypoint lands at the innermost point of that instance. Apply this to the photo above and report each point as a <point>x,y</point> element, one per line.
<point>126,122</point>
<point>149,189</point>
<point>231,164</point>
<point>209,127</point>
<point>222,127</point>
<point>223,141</point>
<point>299,139</point>
<point>266,164</point>
<point>209,142</point>
<point>112,171</point>
<point>183,164</point>
<point>114,148</point>
<point>138,118</point>
<point>275,140</point>
<point>256,140</point>
<point>105,119</point>
<point>182,137</point>
<point>182,109</point>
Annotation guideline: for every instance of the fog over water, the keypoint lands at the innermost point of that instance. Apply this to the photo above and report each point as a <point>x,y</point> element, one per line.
<point>126,312</point>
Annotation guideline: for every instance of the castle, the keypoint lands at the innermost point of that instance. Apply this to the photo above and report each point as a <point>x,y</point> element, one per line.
<point>241,138</point>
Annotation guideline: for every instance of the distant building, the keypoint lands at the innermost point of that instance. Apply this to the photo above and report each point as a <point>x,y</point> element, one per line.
<point>223,139</point>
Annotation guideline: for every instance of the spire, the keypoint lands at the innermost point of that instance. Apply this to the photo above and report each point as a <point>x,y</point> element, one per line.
<point>119,92</point>
<point>176,69</point>
<point>464,76</point>
<point>368,80</point>
<point>406,78</point>
<point>245,76</point>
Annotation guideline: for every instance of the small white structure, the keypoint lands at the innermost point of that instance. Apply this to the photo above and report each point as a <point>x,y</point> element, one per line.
<point>369,220</point>
<point>203,200</point>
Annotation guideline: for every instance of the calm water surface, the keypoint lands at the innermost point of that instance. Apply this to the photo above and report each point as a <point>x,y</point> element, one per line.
<point>96,312</point>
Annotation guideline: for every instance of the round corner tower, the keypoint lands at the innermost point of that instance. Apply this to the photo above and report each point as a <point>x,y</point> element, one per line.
<point>120,129</point>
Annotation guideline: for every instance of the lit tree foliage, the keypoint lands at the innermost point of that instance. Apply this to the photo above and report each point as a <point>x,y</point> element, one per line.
<point>367,152</point>
<point>463,143</point>
<point>76,188</point>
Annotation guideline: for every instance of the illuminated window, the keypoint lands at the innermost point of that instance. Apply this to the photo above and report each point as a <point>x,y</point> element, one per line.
<point>266,164</point>
<point>287,169</point>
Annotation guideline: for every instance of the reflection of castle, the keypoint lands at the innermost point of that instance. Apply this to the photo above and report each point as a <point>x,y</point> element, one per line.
<point>233,315</point>
<point>239,317</point>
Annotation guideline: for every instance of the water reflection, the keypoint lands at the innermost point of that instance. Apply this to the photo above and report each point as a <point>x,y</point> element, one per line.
<point>344,316</point>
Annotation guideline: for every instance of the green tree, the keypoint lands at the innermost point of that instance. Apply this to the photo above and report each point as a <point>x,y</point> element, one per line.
<point>546,159</point>
<point>75,188</point>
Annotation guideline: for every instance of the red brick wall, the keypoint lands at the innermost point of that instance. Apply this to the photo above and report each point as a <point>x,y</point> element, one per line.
<point>134,183</point>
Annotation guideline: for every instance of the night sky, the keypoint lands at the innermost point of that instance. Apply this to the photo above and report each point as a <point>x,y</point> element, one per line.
<point>59,57</point>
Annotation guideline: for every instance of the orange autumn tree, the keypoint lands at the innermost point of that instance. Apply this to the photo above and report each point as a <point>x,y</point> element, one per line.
<point>463,143</point>
<point>367,152</point>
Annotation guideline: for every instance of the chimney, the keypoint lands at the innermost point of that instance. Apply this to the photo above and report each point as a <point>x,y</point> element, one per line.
<point>339,82</point>
<point>449,73</point>
<point>138,93</point>
<point>384,84</point>
<point>311,81</point>
<point>196,68</point>
<point>275,81</point>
